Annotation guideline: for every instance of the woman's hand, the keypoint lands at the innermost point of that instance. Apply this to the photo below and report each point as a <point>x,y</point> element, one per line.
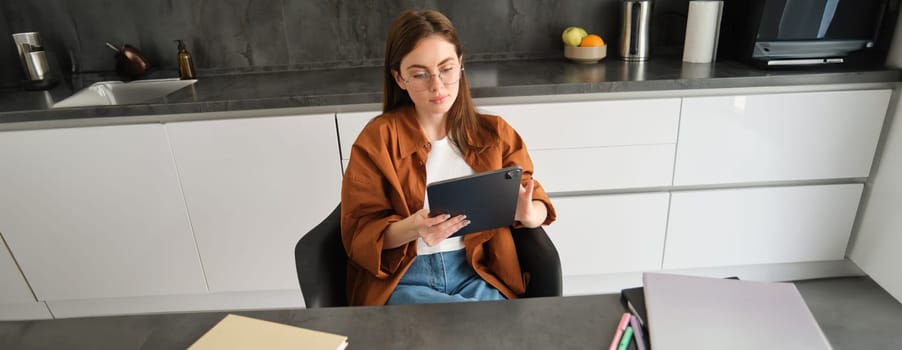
<point>420,225</point>
<point>530,213</point>
<point>435,229</point>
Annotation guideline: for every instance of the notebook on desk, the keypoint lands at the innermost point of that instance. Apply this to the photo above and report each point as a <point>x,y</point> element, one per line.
<point>689,312</point>
<point>239,332</point>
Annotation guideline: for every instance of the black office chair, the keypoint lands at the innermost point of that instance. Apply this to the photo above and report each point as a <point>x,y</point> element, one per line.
<point>322,263</point>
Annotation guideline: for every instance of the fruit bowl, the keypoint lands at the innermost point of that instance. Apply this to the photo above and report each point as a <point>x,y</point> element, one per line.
<point>588,54</point>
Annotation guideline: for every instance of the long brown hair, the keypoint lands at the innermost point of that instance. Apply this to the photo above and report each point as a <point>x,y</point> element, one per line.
<point>464,126</point>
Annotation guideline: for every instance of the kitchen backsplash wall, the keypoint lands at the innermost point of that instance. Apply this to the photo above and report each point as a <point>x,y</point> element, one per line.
<point>244,35</point>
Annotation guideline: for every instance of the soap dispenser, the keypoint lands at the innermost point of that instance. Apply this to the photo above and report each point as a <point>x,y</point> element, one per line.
<point>186,64</point>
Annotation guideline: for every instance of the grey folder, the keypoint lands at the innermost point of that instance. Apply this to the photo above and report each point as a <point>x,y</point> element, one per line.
<point>688,312</point>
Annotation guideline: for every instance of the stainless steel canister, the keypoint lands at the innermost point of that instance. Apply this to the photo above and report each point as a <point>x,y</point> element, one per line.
<point>636,16</point>
<point>32,55</point>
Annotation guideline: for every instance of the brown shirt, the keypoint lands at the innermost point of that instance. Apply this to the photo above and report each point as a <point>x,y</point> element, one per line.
<point>385,182</point>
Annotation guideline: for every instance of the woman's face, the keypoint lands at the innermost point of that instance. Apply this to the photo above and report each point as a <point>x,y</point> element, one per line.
<point>431,75</point>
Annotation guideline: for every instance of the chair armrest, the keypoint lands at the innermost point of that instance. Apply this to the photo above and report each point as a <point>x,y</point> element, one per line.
<point>540,259</point>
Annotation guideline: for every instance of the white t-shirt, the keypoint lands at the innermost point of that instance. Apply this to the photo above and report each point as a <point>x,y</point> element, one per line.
<point>444,162</point>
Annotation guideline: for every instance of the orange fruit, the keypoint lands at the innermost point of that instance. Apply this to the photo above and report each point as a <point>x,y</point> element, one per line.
<point>592,40</point>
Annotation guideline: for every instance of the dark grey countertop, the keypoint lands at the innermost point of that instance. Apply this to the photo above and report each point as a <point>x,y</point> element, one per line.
<point>854,313</point>
<point>363,85</point>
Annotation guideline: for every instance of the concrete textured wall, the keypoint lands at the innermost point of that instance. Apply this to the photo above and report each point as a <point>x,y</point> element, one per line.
<point>247,35</point>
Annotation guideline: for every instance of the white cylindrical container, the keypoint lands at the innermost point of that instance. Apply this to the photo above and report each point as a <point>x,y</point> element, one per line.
<point>702,31</point>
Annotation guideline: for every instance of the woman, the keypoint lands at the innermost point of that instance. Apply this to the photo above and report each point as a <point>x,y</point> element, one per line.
<point>429,131</point>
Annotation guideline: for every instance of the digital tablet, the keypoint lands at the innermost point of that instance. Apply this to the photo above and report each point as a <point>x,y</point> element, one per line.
<point>488,199</point>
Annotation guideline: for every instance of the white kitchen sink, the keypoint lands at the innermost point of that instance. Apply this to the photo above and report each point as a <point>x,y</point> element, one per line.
<point>121,93</point>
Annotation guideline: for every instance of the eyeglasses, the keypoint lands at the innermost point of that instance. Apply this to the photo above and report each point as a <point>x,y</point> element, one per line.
<point>423,80</point>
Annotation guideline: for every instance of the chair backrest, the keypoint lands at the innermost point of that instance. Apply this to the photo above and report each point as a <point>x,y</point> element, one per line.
<point>322,263</point>
<point>540,259</point>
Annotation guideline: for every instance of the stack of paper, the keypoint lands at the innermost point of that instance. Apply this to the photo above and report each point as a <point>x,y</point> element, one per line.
<point>238,332</point>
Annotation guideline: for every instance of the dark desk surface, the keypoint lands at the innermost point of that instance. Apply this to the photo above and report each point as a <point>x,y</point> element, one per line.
<point>855,313</point>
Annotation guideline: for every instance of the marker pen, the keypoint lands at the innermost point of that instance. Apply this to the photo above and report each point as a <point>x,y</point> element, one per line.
<point>638,333</point>
<point>627,337</point>
<point>621,327</point>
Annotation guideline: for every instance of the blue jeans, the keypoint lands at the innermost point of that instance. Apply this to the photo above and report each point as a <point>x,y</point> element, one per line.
<point>442,278</point>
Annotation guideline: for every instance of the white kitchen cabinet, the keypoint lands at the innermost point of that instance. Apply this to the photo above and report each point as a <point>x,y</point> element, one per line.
<point>581,146</point>
<point>598,145</point>
<point>112,220</point>
<point>566,125</point>
<point>16,300</point>
<point>877,246</point>
<point>253,187</point>
<point>779,137</point>
<point>14,290</point>
<point>603,168</point>
<point>349,126</point>
<point>609,233</point>
<point>593,124</point>
<point>96,212</point>
<point>760,225</point>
